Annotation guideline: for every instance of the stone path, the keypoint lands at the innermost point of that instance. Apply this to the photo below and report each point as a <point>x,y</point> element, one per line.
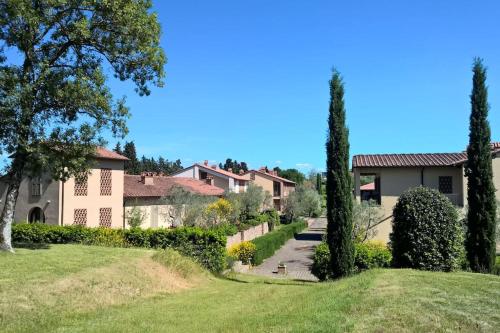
<point>296,254</point>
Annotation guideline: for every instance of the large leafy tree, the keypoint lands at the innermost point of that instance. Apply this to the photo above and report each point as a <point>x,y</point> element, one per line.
<point>338,184</point>
<point>481,216</point>
<point>292,174</point>
<point>54,100</point>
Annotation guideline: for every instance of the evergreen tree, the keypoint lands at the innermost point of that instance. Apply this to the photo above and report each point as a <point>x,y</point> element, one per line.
<point>131,166</point>
<point>55,103</point>
<point>319,183</point>
<point>481,216</point>
<point>118,148</point>
<point>338,184</point>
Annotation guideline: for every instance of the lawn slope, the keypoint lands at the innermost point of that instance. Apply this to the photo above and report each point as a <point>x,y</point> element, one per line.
<point>173,298</point>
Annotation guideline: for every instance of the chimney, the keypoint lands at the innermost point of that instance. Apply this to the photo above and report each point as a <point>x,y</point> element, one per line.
<point>147,178</point>
<point>262,169</point>
<point>214,166</point>
<point>205,163</point>
<point>230,170</point>
<point>241,172</point>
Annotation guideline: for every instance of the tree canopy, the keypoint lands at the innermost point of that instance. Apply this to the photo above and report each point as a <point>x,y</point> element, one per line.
<point>54,98</point>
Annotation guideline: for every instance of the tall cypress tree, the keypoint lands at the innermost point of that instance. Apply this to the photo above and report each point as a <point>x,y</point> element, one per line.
<point>338,184</point>
<point>481,219</point>
<point>319,183</point>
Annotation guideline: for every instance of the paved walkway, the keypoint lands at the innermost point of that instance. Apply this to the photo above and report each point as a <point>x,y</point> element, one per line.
<point>296,254</point>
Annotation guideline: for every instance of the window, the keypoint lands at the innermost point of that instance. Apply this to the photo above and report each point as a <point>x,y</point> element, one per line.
<point>36,187</point>
<point>446,184</point>
<point>105,181</point>
<point>276,189</point>
<point>105,217</point>
<point>81,185</point>
<point>80,217</point>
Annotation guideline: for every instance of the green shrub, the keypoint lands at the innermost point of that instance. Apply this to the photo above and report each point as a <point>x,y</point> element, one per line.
<point>243,251</point>
<point>273,218</point>
<point>207,247</point>
<point>426,233</point>
<point>268,244</point>
<point>371,254</point>
<point>321,262</point>
<point>496,269</point>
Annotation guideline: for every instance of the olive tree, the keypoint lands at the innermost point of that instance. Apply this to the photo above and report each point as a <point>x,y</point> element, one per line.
<point>54,98</point>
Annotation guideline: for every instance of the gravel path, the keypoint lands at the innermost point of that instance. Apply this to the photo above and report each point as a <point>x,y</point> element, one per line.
<point>296,254</point>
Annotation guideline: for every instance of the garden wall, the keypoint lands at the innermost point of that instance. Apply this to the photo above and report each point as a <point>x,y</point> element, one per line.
<point>247,235</point>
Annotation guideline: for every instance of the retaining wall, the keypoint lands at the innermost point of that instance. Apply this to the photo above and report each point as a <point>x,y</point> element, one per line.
<point>248,235</point>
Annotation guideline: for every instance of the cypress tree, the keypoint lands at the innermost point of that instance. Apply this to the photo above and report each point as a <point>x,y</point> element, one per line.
<point>338,184</point>
<point>481,219</point>
<point>319,183</point>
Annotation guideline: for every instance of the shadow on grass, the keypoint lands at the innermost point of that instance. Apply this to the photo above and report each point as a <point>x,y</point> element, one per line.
<point>32,246</point>
<point>256,279</point>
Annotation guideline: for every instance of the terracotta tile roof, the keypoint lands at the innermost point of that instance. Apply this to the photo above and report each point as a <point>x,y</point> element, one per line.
<point>272,176</point>
<point>109,154</point>
<point>367,187</point>
<point>221,171</point>
<point>408,160</point>
<point>135,188</point>
<point>414,160</point>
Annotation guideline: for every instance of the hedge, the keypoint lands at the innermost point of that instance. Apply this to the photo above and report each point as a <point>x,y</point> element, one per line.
<point>268,244</point>
<point>207,247</point>
<point>369,254</point>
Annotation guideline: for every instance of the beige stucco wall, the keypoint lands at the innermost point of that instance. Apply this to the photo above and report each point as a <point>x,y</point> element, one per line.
<point>394,181</point>
<point>93,201</point>
<point>496,175</point>
<point>48,201</point>
<point>155,213</point>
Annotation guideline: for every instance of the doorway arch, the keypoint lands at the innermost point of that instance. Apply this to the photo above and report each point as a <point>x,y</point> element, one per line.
<point>36,215</point>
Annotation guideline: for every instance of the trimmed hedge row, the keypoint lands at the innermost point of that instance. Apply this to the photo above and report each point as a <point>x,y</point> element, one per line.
<point>268,244</point>
<point>370,254</point>
<point>207,247</point>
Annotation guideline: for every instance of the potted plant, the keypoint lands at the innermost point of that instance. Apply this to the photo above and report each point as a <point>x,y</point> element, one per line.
<point>281,268</point>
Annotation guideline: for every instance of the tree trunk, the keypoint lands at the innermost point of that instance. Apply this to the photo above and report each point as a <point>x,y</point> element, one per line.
<point>7,216</point>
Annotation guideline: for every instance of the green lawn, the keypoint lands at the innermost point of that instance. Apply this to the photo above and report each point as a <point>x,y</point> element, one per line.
<point>70,288</point>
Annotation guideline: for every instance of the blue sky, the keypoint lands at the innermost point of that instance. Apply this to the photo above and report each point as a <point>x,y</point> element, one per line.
<point>249,79</point>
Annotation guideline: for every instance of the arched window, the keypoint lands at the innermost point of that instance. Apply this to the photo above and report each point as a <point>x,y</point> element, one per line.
<point>36,215</point>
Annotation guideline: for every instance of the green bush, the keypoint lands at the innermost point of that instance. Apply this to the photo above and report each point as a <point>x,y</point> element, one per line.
<point>496,269</point>
<point>273,219</point>
<point>268,244</point>
<point>426,233</point>
<point>243,251</point>
<point>207,247</point>
<point>321,262</point>
<point>371,254</point>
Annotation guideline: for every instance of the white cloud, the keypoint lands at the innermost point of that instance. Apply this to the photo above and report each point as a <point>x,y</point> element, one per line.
<point>304,166</point>
<point>278,162</point>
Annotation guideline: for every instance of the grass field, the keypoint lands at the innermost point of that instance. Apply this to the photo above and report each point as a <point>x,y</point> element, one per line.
<point>70,288</point>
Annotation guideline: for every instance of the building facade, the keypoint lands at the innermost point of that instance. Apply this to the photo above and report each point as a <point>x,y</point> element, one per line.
<point>393,174</point>
<point>278,187</point>
<point>213,175</point>
<point>94,199</point>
